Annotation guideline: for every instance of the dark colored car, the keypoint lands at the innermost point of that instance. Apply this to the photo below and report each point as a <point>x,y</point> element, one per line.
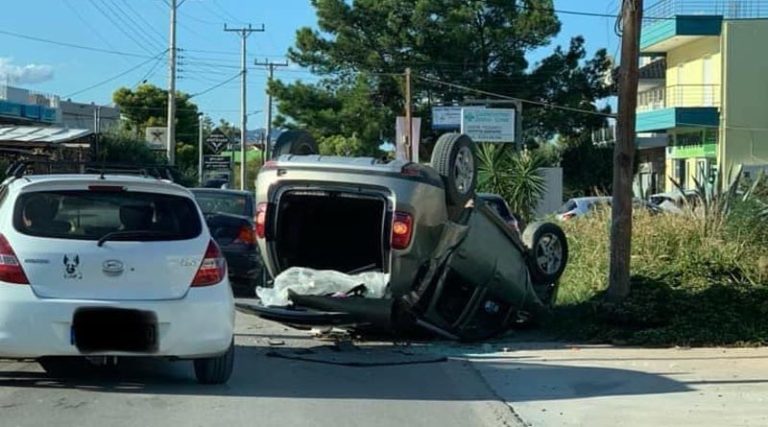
<point>230,215</point>
<point>500,206</point>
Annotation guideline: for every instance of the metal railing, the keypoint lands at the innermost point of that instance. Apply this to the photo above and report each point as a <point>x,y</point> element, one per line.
<point>728,9</point>
<point>679,96</point>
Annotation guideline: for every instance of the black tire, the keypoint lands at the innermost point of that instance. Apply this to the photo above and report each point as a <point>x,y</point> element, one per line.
<point>63,366</point>
<point>295,142</point>
<point>547,252</point>
<point>216,370</point>
<point>454,159</point>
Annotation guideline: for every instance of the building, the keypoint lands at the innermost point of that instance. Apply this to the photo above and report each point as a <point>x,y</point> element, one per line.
<point>24,107</point>
<point>77,115</point>
<point>703,90</point>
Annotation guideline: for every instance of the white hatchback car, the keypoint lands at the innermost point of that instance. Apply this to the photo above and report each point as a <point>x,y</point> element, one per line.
<point>109,265</point>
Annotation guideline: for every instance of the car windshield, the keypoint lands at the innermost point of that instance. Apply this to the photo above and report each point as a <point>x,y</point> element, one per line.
<point>91,215</point>
<point>211,202</point>
<point>567,207</point>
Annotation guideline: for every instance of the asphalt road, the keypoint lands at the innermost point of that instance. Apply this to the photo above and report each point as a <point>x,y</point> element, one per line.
<point>335,385</point>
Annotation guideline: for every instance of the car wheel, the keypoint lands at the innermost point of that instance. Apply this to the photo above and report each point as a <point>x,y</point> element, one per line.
<point>454,159</point>
<point>216,370</point>
<point>63,366</point>
<point>547,252</point>
<point>295,142</point>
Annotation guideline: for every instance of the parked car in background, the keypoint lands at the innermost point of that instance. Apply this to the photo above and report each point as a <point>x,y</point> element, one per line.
<point>674,201</point>
<point>580,206</point>
<point>230,217</point>
<point>108,266</point>
<point>500,206</point>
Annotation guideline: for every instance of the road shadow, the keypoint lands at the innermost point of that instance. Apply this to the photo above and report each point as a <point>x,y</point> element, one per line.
<point>320,375</point>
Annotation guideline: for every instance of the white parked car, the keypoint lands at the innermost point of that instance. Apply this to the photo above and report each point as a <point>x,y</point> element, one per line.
<point>580,206</point>
<point>103,266</point>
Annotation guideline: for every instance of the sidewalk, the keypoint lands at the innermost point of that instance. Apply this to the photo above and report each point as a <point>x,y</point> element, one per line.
<point>557,385</point>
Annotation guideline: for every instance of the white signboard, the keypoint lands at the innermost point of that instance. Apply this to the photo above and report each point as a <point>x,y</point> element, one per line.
<point>446,117</point>
<point>400,138</point>
<point>488,124</point>
<point>157,138</point>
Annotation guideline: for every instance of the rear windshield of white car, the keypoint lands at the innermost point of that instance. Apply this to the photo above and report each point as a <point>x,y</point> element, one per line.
<point>91,215</point>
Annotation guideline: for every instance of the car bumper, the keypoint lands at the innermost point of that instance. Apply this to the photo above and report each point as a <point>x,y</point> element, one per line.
<point>244,267</point>
<point>199,325</point>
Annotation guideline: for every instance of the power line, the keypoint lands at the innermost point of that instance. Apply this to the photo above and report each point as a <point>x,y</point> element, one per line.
<point>511,98</point>
<point>106,14</point>
<point>132,24</point>
<point>72,45</point>
<point>117,76</point>
<point>140,16</point>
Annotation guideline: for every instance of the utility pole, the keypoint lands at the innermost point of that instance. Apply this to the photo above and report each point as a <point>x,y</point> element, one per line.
<point>268,134</point>
<point>243,32</point>
<point>97,126</point>
<point>408,116</point>
<point>200,148</point>
<point>171,125</point>
<point>624,153</point>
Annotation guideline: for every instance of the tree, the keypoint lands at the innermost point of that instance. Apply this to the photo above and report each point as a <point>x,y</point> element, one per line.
<point>147,106</point>
<point>360,48</point>
<point>516,176</point>
<point>587,168</point>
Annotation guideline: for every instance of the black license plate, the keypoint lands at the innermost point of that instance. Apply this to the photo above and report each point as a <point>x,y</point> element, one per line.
<point>96,329</point>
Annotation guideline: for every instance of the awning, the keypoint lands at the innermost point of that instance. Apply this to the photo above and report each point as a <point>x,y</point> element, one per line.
<point>43,134</point>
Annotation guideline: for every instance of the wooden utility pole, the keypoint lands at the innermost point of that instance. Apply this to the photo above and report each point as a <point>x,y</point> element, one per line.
<point>624,153</point>
<point>267,153</point>
<point>408,116</point>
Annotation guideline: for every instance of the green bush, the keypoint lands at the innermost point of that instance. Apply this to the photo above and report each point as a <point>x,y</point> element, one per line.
<point>690,285</point>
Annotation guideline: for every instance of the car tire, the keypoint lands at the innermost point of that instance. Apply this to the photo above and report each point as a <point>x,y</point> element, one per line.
<point>216,370</point>
<point>63,366</point>
<point>454,159</point>
<point>547,252</point>
<point>295,142</point>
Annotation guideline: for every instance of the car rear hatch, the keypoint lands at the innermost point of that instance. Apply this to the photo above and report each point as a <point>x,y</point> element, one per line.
<point>341,229</point>
<point>108,243</point>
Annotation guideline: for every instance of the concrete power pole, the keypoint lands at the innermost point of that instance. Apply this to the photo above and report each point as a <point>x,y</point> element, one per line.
<point>171,125</point>
<point>243,32</point>
<point>624,153</point>
<point>408,116</point>
<point>200,148</point>
<point>268,134</point>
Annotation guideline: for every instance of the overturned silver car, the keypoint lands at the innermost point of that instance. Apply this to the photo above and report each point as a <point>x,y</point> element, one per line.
<point>454,267</point>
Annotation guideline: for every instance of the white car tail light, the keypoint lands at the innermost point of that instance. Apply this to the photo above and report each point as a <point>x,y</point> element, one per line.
<point>10,267</point>
<point>213,268</point>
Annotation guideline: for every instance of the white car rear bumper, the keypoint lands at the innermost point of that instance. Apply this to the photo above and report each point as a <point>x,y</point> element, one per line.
<point>200,324</point>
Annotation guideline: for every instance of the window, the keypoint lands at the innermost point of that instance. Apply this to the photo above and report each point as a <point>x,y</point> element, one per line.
<point>680,172</point>
<point>567,207</point>
<point>221,202</point>
<point>89,215</point>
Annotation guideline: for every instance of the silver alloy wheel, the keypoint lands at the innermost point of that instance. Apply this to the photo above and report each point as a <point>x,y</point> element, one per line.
<point>549,253</point>
<point>464,169</point>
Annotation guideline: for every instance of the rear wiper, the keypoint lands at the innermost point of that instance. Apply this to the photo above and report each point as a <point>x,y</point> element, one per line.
<point>132,234</point>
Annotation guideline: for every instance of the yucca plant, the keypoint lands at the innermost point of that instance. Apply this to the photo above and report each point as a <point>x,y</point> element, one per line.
<point>715,200</point>
<point>514,176</point>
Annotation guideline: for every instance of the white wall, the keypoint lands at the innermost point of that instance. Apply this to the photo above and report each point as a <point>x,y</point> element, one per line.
<point>552,198</point>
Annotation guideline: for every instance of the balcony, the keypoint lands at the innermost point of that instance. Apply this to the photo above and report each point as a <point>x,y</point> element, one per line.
<point>664,108</point>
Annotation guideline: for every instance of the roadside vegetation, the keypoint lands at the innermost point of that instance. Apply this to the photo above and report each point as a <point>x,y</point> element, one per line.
<point>697,279</point>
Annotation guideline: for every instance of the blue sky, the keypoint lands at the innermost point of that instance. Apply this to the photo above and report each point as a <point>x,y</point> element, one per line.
<point>209,55</point>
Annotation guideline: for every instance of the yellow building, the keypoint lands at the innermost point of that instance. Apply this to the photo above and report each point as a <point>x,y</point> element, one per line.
<point>710,97</point>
